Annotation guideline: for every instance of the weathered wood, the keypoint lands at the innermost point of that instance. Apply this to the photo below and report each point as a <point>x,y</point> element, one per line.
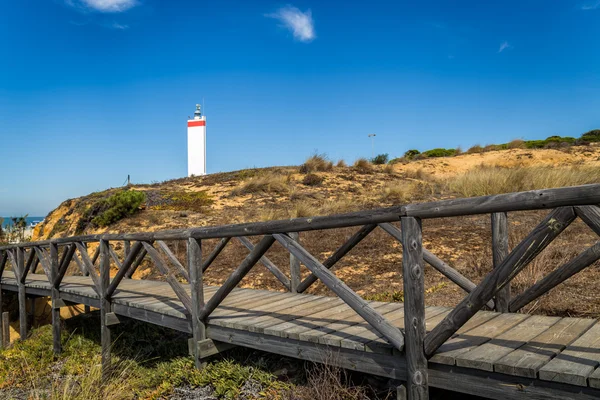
<point>2,336</point>
<point>115,257</point>
<point>138,261</point>
<point>80,265</point>
<point>5,330</point>
<point>194,260</point>
<point>217,250</point>
<point>30,259</point>
<point>446,270</point>
<point>343,291</point>
<point>3,259</point>
<point>105,308</point>
<point>163,246</point>
<point>89,266</point>
<point>131,256</point>
<point>112,319</point>
<point>527,360</point>
<point>207,347</point>
<point>126,247</point>
<point>577,362</point>
<point>268,264</point>
<point>44,261</point>
<point>531,200</point>
<point>55,295</point>
<point>338,255</point>
<point>235,278</point>
<point>518,259</point>
<point>20,262</point>
<point>500,252</point>
<point>295,277</point>
<point>414,308</point>
<point>171,280</point>
<point>556,277</point>
<point>64,265</point>
<point>96,254</point>
<point>485,356</point>
<point>591,216</point>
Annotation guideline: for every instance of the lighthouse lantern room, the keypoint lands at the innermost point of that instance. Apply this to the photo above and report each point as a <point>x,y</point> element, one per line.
<point>197,144</point>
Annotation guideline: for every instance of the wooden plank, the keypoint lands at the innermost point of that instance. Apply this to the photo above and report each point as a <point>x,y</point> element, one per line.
<point>556,277</point>
<point>352,327</point>
<point>105,308</point>
<point>291,317</point>
<point>63,266</point>
<point>236,277</point>
<point>267,263</point>
<point>55,295</point>
<point>414,308</point>
<point>115,257</point>
<point>446,270</point>
<point>240,302</point>
<point>138,261</point>
<point>194,260</point>
<point>5,330</point>
<point>484,356</point>
<point>171,280</point>
<point>500,252</point>
<point>339,254</point>
<point>295,277</point>
<point>527,360</point>
<point>575,363</point>
<point>359,305</point>
<point>531,200</point>
<point>519,258</point>
<point>44,261</point>
<point>467,341</point>
<point>591,216</point>
<point>22,296</point>
<point>216,251</point>
<point>171,256</point>
<point>89,266</point>
<point>127,262</point>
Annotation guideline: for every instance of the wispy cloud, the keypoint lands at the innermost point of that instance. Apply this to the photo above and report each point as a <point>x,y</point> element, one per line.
<point>504,46</point>
<point>592,5</point>
<point>299,23</point>
<point>116,25</point>
<point>105,6</point>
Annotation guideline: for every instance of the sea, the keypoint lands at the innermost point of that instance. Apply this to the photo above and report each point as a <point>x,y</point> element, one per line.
<point>7,221</point>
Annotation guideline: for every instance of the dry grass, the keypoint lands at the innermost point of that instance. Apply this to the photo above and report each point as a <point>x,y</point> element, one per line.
<point>397,192</point>
<point>312,180</point>
<point>341,164</point>
<point>363,166</point>
<point>266,183</point>
<point>487,180</point>
<point>316,163</point>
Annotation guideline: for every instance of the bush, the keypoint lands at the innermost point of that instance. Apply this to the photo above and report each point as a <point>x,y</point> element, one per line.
<point>341,164</point>
<point>397,192</point>
<point>363,166</point>
<point>410,154</point>
<point>475,149</point>
<point>516,144</point>
<point>439,152</point>
<point>312,180</point>
<point>591,136</point>
<point>316,163</point>
<point>380,159</point>
<point>119,206</point>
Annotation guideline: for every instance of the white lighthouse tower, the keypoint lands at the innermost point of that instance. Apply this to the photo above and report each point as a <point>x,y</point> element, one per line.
<point>197,144</point>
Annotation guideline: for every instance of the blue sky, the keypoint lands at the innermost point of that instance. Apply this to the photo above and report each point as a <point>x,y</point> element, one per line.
<point>94,90</point>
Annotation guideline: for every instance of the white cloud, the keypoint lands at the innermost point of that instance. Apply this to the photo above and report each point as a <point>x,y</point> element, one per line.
<point>590,5</point>
<point>299,23</point>
<point>503,46</point>
<point>106,6</point>
<point>116,25</point>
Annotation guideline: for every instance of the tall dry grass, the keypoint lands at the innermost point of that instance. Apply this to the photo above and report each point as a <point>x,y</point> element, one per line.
<point>265,183</point>
<point>486,180</point>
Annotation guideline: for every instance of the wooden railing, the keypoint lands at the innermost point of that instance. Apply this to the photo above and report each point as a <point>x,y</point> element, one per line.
<point>567,204</point>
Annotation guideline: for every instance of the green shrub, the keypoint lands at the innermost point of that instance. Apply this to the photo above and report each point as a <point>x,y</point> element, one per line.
<point>591,136</point>
<point>380,159</point>
<point>119,206</point>
<point>410,154</point>
<point>439,152</point>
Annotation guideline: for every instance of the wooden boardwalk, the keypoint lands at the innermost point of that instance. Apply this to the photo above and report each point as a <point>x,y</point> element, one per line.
<point>481,346</point>
<point>552,349</point>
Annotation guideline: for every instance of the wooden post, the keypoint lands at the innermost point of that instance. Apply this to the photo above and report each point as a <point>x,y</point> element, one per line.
<point>2,338</point>
<point>194,258</point>
<point>55,295</point>
<point>5,330</point>
<point>104,307</point>
<point>414,308</point>
<point>22,295</point>
<point>295,277</point>
<point>500,251</point>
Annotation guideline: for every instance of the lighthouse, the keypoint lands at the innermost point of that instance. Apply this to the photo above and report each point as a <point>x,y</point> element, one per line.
<point>197,144</point>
